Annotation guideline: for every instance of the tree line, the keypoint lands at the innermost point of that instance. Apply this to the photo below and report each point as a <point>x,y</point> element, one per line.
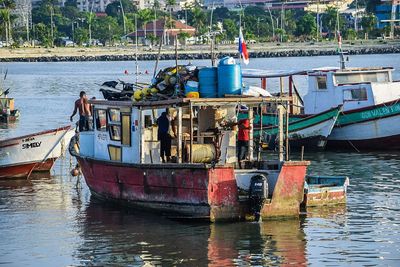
<point>51,22</point>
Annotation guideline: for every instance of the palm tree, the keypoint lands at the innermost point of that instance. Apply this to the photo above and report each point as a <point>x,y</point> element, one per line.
<point>5,14</point>
<point>145,15</point>
<point>199,19</point>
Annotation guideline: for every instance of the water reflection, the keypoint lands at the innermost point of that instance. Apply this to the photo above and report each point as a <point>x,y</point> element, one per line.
<point>112,235</point>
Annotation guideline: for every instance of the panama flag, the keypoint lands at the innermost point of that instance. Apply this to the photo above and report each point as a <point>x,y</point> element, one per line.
<point>243,48</point>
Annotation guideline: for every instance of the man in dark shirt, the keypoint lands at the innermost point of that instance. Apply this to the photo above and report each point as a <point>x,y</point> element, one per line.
<point>164,137</point>
<point>83,106</point>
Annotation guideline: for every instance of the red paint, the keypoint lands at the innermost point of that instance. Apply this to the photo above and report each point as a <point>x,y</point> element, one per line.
<point>45,166</point>
<point>189,190</point>
<point>16,171</point>
<point>288,192</point>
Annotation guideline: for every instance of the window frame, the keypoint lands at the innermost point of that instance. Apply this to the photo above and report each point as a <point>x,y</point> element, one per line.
<point>97,119</point>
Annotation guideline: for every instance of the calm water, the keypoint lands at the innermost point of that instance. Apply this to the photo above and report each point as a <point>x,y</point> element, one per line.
<point>48,221</point>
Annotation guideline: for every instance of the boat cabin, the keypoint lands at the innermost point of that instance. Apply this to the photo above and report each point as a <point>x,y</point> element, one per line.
<point>353,88</point>
<point>205,130</point>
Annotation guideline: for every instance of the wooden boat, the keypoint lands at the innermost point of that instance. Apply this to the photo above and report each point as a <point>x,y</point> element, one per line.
<point>309,132</point>
<point>19,156</point>
<point>370,117</point>
<point>8,113</point>
<point>57,152</point>
<point>325,190</point>
<point>120,161</point>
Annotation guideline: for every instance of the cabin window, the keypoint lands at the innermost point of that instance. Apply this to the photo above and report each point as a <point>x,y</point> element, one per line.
<point>115,132</point>
<point>321,82</point>
<point>147,121</point>
<point>114,115</point>
<point>361,77</point>
<point>359,94</point>
<point>115,153</point>
<point>101,120</point>
<point>126,129</point>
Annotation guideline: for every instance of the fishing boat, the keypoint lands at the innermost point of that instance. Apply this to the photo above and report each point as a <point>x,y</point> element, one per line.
<point>370,100</point>
<point>57,152</point>
<point>120,161</point>
<point>325,190</point>
<point>310,132</point>
<point>19,156</point>
<point>8,113</point>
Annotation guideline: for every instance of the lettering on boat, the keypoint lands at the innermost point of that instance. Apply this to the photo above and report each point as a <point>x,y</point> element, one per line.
<point>31,145</point>
<point>102,136</point>
<point>28,139</point>
<point>380,112</point>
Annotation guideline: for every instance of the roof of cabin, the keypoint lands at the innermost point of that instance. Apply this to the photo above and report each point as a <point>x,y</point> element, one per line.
<point>193,101</point>
<point>258,73</point>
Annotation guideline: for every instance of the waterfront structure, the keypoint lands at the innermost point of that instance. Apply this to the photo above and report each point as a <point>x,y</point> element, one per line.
<point>162,29</point>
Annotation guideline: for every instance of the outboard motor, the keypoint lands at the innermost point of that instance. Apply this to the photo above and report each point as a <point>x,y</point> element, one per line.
<point>258,193</point>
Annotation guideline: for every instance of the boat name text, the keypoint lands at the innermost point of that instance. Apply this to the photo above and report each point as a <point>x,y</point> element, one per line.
<point>31,145</point>
<point>380,112</point>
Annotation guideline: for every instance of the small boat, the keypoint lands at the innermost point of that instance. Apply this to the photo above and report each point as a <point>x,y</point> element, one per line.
<point>325,190</point>
<point>19,156</point>
<point>8,113</point>
<point>311,132</point>
<point>57,152</point>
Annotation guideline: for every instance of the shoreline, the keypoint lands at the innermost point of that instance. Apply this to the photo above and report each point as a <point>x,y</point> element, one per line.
<point>267,50</point>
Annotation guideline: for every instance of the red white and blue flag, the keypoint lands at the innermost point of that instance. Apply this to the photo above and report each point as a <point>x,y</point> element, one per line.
<point>243,48</point>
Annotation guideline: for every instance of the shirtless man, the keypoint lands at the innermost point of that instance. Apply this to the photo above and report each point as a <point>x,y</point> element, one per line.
<point>83,106</point>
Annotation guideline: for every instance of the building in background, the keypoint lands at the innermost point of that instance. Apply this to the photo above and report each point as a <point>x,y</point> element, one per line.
<point>163,31</point>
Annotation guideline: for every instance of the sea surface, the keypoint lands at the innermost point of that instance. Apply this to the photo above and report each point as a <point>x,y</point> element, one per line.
<point>52,220</point>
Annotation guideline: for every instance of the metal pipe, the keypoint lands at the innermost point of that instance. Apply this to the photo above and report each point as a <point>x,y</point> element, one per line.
<point>191,132</point>
<point>280,131</point>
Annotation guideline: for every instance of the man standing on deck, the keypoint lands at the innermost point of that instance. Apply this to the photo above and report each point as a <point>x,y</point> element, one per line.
<point>243,140</point>
<point>164,137</point>
<point>83,106</point>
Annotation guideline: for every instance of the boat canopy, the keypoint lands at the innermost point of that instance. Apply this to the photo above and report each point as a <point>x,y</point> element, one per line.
<point>258,73</point>
<point>227,101</point>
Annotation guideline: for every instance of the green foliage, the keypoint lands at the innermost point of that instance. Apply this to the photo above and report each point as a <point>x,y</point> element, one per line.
<point>43,34</point>
<point>81,35</point>
<point>368,22</point>
<point>306,25</point>
<point>231,30</point>
<point>106,29</point>
<point>350,34</point>
<point>114,10</point>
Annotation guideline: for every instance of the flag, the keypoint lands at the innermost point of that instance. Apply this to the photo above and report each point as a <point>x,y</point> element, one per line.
<point>243,48</point>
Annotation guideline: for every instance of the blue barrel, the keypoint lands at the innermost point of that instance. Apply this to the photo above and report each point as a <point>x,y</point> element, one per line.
<point>229,80</point>
<point>208,82</point>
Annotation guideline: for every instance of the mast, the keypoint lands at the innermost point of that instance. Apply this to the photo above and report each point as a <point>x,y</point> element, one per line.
<point>136,49</point>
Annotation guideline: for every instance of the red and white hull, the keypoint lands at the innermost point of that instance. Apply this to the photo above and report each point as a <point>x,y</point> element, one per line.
<point>197,192</point>
<point>21,155</point>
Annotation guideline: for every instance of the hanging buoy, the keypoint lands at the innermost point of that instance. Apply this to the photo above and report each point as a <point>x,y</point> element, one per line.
<point>126,72</point>
<point>76,171</point>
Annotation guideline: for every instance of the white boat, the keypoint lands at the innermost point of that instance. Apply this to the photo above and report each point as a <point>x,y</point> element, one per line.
<point>21,155</point>
<point>371,106</point>
<point>370,100</point>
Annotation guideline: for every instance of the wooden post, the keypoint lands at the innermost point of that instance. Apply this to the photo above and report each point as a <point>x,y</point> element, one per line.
<point>281,83</point>
<point>260,134</point>
<point>251,141</point>
<point>191,133</point>
<point>179,135</point>
<point>264,83</point>
<point>280,133</point>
